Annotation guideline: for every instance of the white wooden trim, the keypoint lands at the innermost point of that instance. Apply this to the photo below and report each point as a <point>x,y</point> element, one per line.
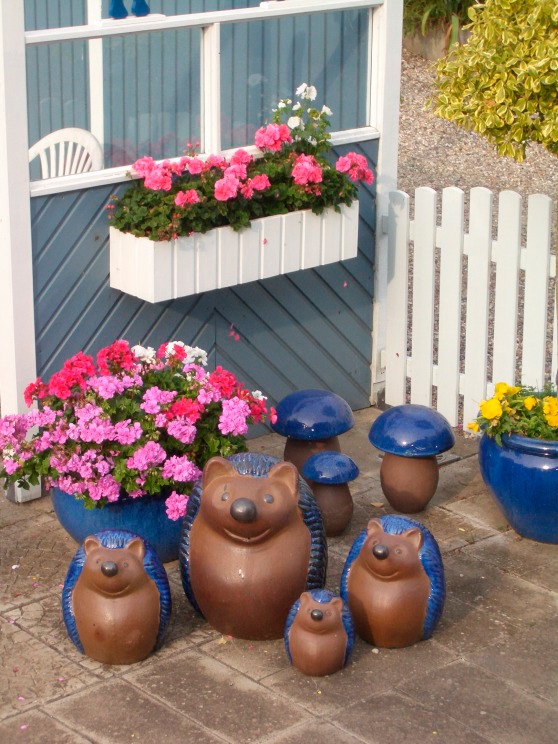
<point>384,83</point>
<point>96,81</point>
<point>120,174</point>
<point>211,89</point>
<point>157,22</point>
<point>17,323</point>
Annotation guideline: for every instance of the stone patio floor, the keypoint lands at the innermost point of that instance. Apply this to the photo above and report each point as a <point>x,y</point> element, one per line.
<point>488,674</point>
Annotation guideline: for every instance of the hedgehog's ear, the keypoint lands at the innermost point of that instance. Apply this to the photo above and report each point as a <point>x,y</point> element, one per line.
<point>216,467</point>
<point>305,599</point>
<point>136,546</point>
<point>286,473</point>
<point>90,543</point>
<point>414,535</point>
<point>374,526</point>
<point>337,602</point>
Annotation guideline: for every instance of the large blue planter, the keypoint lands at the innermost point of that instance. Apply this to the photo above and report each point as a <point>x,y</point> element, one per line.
<point>522,475</point>
<point>146,517</point>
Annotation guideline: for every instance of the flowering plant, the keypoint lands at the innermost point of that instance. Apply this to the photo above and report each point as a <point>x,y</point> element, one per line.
<point>518,410</point>
<point>194,194</point>
<point>135,423</point>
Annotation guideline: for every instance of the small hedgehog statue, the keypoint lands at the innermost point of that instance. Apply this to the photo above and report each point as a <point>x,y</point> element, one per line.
<point>319,633</point>
<point>116,599</point>
<point>253,539</point>
<point>393,582</point>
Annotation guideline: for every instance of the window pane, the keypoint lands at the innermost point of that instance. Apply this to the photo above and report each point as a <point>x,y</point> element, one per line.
<point>264,61</point>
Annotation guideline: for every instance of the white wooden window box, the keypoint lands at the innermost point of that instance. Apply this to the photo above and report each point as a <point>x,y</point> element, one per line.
<point>165,270</point>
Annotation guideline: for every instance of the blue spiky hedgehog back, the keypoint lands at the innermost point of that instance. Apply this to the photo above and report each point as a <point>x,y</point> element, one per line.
<point>258,465</point>
<point>151,563</point>
<point>430,558</point>
<point>323,596</point>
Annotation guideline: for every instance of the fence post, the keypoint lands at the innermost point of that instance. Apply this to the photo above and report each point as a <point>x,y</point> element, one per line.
<point>478,280</point>
<point>17,323</point>
<point>539,219</point>
<point>397,298</point>
<point>384,79</point>
<point>449,314</point>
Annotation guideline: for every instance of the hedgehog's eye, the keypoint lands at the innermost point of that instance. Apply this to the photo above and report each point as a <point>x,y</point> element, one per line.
<point>398,551</point>
<point>225,496</point>
<point>268,498</point>
<point>98,561</point>
<point>374,542</point>
<point>125,564</point>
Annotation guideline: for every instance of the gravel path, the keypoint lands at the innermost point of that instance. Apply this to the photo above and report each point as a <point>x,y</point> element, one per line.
<point>434,152</point>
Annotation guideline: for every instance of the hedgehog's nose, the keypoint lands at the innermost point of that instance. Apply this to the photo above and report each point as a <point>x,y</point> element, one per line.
<point>109,568</point>
<point>244,510</point>
<point>317,615</point>
<point>380,552</point>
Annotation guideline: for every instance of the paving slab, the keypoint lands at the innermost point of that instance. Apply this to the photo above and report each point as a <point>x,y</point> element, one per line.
<point>133,717</point>
<point>316,731</point>
<point>38,728</point>
<point>369,672</point>
<point>393,718</point>
<point>485,703</point>
<point>32,673</point>
<point>217,696</point>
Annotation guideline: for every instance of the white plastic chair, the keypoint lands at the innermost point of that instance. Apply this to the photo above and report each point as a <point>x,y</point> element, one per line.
<point>67,151</point>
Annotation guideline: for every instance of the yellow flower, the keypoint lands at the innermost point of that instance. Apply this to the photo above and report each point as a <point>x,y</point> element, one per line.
<point>473,426</point>
<point>502,388</point>
<point>550,406</point>
<point>491,409</point>
<point>530,402</point>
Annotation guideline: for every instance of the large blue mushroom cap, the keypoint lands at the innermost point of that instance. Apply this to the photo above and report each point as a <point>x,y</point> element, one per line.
<point>411,430</point>
<point>313,414</point>
<point>331,468</point>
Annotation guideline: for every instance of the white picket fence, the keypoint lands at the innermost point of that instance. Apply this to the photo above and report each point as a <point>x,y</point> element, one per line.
<point>455,296</point>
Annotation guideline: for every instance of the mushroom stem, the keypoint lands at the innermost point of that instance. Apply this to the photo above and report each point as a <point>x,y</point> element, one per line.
<point>409,483</point>
<point>336,504</point>
<point>298,451</point>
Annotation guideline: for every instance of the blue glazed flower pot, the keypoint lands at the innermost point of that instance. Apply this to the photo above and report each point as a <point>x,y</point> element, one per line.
<point>146,517</point>
<point>522,475</point>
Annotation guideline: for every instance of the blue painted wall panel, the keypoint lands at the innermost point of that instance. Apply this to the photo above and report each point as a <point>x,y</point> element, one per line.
<point>152,80</point>
<point>306,329</point>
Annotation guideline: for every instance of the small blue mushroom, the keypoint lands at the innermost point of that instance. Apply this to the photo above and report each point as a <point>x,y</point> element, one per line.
<point>328,474</point>
<point>312,421</point>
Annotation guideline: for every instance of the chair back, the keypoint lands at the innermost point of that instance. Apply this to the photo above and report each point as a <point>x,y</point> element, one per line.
<point>66,152</point>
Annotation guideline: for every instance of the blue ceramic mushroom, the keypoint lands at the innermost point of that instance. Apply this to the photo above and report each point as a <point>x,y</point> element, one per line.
<point>411,436</point>
<point>328,474</point>
<point>312,420</point>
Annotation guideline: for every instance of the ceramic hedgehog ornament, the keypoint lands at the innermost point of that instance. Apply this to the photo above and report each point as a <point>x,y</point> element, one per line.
<point>393,582</point>
<point>319,633</point>
<point>116,599</point>
<point>253,539</point>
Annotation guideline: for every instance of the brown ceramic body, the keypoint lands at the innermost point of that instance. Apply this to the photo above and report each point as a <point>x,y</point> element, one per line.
<point>318,647</point>
<point>117,617</point>
<point>336,505</point>
<point>245,576</point>
<point>388,597</point>
<point>298,451</point>
<point>409,482</point>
